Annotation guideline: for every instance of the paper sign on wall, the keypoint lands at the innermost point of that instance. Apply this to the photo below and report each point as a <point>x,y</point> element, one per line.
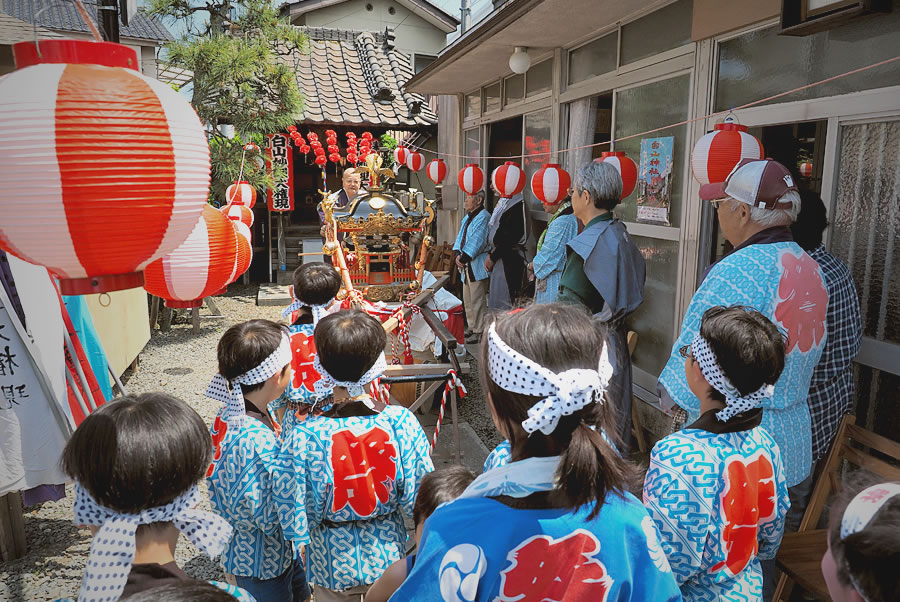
<point>655,180</point>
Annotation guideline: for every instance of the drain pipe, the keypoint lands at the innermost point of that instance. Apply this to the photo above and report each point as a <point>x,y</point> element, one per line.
<point>465,13</point>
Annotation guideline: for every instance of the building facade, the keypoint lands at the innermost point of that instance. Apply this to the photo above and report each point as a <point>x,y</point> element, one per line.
<point>603,70</point>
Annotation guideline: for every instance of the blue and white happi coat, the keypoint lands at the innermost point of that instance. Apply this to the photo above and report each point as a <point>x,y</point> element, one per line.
<point>301,388</point>
<point>240,490</point>
<point>478,548</point>
<point>347,483</point>
<point>476,245</point>
<point>719,501</point>
<point>550,259</point>
<point>784,284</point>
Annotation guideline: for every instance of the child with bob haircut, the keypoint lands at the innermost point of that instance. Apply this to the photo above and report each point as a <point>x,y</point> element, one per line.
<point>556,522</point>
<point>354,470</point>
<point>315,286</point>
<point>860,564</point>
<point>136,462</point>
<point>717,489</point>
<point>254,369</point>
<point>438,487</point>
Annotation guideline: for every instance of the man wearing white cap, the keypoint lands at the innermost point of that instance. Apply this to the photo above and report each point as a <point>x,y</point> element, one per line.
<point>769,272</point>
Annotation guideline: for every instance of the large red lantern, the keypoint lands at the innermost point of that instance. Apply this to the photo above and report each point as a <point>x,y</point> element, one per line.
<point>415,161</point>
<point>550,184</point>
<point>241,193</point>
<point>400,154</point>
<point>199,267</point>
<point>102,170</point>
<point>717,153</point>
<point>436,171</point>
<point>239,213</point>
<point>508,179</point>
<point>626,168</point>
<point>471,178</point>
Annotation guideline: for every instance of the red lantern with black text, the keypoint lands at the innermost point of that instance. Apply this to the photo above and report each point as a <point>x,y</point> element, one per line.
<point>718,152</point>
<point>199,267</point>
<point>550,184</point>
<point>626,168</point>
<point>508,179</point>
<point>436,171</point>
<point>102,171</point>
<point>471,178</point>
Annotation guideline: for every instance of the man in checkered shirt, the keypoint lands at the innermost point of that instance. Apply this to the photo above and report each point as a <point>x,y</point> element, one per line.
<point>831,388</point>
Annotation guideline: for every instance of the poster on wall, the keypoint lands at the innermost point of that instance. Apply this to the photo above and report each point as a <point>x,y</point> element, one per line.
<point>655,180</point>
<point>278,152</point>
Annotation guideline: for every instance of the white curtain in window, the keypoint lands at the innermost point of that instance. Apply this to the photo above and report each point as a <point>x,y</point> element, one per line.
<point>582,123</point>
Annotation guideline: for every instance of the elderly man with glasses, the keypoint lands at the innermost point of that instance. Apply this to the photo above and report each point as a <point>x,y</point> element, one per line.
<point>605,272</point>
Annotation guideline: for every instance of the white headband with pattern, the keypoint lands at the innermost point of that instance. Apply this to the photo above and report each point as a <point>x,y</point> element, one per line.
<point>318,311</point>
<point>113,546</point>
<point>563,393</point>
<point>865,506</point>
<point>234,398</point>
<point>735,403</point>
<point>327,382</point>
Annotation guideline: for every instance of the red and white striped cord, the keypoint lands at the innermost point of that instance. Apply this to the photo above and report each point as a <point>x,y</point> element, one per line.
<point>453,381</point>
<point>381,392</point>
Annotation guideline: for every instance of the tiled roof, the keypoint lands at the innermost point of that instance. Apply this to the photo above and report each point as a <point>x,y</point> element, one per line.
<point>356,78</point>
<point>61,15</point>
<point>425,9</point>
<point>14,30</point>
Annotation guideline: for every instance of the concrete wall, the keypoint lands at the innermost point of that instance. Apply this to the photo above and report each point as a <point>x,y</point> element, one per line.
<point>414,34</point>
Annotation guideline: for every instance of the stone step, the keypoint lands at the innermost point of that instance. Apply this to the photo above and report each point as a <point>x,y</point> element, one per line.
<point>273,294</point>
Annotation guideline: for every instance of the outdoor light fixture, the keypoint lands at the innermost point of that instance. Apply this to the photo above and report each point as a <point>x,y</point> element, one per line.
<point>519,62</point>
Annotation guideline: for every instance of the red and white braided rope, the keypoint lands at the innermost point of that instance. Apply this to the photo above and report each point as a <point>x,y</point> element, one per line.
<point>453,381</point>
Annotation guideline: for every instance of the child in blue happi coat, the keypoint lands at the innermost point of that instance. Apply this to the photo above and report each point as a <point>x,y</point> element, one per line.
<point>717,489</point>
<point>315,286</point>
<point>556,522</point>
<point>254,369</point>
<point>137,462</point>
<point>352,473</point>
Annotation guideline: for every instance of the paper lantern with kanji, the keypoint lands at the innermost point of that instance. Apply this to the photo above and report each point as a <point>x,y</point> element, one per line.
<point>508,179</point>
<point>626,168</point>
<point>550,184</point>
<point>400,155</point>
<point>241,193</point>
<point>436,171</point>
<point>102,170</point>
<point>806,169</point>
<point>198,268</point>
<point>471,178</point>
<point>716,153</point>
<point>239,213</point>
<point>415,161</point>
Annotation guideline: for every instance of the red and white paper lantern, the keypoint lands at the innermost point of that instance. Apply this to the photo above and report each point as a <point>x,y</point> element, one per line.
<point>550,184</point>
<point>806,169</point>
<point>400,155</point>
<point>436,171</point>
<point>508,179</point>
<point>243,255</point>
<point>198,268</point>
<point>102,170</point>
<point>415,161</point>
<point>716,153</point>
<point>471,178</point>
<point>238,213</point>
<point>626,168</point>
<point>241,193</point>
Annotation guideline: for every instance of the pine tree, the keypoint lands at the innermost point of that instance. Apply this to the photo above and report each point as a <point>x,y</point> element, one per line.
<point>240,54</point>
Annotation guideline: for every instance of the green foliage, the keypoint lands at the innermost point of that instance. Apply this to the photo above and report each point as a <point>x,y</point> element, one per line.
<point>225,155</point>
<point>243,75</point>
<point>386,147</point>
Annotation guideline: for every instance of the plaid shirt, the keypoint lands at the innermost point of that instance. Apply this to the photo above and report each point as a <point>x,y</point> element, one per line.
<point>831,388</point>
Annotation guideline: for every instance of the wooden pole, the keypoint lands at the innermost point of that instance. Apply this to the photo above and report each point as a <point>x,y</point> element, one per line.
<point>195,320</point>
<point>154,311</point>
<point>12,527</point>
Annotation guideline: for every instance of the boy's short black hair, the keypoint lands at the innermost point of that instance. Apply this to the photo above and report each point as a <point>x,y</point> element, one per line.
<point>748,346</point>
<point>245,346</point>
<point>183,591</point>
<point>439,487</point>
<point>348,343</point>
<point>316,283</point>
<point>138,451</point>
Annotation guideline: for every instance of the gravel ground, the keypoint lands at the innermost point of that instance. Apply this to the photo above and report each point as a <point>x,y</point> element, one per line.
<point>181,363</point>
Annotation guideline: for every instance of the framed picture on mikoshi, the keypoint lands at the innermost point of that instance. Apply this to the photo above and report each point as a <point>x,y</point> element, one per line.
<point>278,152</point>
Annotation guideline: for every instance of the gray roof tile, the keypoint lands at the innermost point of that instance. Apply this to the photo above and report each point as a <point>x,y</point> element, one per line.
<point>61,15</point>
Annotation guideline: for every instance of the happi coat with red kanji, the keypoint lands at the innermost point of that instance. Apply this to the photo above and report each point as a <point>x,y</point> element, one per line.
<point>343,486</point>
